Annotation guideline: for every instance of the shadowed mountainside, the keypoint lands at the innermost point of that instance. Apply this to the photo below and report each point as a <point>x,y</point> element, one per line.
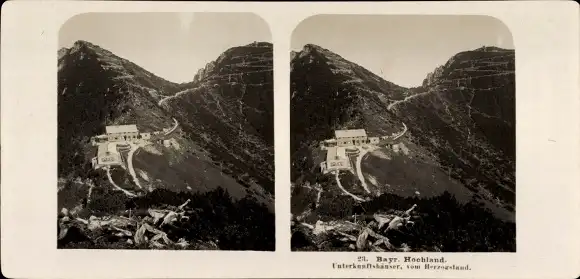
<point>97,88</point>
<point>223,138</point>
<point>460,141</point>
<point>230,112</point>
<point>467,118</point>
<point>328,93</point>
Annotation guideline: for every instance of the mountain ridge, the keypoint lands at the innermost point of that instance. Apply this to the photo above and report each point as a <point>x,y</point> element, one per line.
<point>332,66</point>
<point>450,159</point>
<point>98,88</point>
<point>114,66</point>
<point>224,87</point>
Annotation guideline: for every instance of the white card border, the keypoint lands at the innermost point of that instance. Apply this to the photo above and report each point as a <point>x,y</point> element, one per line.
<point>548,205</point>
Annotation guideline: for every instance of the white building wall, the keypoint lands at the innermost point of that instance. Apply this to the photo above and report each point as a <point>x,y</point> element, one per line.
<point>112,159</point>
<point>349,141</point>
<point>323,168</point>
<point>341,152</point>
<point>121,136</point>
<point>146,136</point>
<point>338,165</point>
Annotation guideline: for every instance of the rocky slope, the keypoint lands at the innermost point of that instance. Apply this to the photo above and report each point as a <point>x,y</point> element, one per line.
<point>97,88</point>
<point>229,112</point>
<point>457,155</point>
<point>352,97</point>
<point>467,118</point>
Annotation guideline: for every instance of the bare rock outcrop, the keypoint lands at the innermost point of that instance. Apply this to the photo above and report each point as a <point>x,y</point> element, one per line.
<point>133,231</point>
<point>360,236</point>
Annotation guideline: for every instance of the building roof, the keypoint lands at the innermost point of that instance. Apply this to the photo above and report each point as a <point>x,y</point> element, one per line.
<point>335,153</point>
<point>350,133</point>
<point>331,154</point>
<point>121,129</point>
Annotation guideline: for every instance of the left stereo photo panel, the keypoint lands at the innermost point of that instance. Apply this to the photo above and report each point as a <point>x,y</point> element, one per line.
<point>165,132</point>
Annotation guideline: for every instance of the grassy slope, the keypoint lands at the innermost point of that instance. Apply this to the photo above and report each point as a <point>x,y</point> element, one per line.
<point>433,139</point>
<point>230,114</point>
<point>98,88</point>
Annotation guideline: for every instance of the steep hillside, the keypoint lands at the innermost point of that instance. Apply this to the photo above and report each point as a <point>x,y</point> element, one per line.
<point>229,112</point>
<point>209,152</point>
<point>97,88</point>
<point>329,92</point>
<point>467,118</point>
<point>454,152</point>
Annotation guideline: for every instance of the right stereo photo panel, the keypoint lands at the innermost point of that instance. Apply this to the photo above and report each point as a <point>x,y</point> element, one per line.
<point>403,134</point>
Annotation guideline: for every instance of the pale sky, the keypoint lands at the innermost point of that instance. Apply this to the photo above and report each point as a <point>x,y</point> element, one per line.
<point>402,49</point>
<point>171,45</point>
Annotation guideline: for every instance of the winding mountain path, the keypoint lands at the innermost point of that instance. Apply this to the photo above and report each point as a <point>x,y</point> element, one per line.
<point>318,196</point>
<point>160,103</point>
<point>344,190</point>
<point>173,128</point>
<point>390,106</point>
<point>164,100</point>
<point>91,186</point>
<point>134,148</point>
<point>241,73</point>
<point>402,133</point>
<point>362,153</point>
<point>117,186</point>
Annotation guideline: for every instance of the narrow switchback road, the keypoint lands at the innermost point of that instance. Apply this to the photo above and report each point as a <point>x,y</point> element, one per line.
<point>91,186</point>
<point>173,128</point>
<point>344,190</point>
<point>402,133</point>
<point>160,103</point>
<point>117,186</point>
<point>390,106</point>
<point>362,153</point>
<point>134,148</point>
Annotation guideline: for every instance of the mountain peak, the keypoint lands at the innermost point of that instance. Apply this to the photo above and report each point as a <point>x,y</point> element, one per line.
<point>448,142</point>
<point>83,45</point>
<point>293,54</point>
<point>491,56</point>
<point>209,141</point>
<point>62,52</point>
<point>86,45</point>
<point>313,47</point>
<point>244,56</point>
<point>259,44</point>
<point>491,49</point>
<point>80,43</point>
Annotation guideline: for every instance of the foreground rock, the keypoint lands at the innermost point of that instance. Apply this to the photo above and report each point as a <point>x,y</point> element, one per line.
<point>132,232</point>
<point>360,236</point>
